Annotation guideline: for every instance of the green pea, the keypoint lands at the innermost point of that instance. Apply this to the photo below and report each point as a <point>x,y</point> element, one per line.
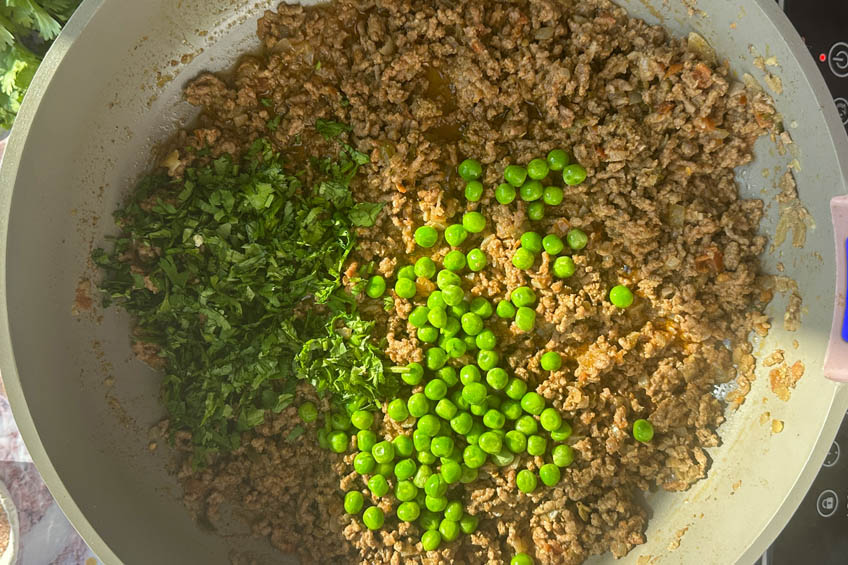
<point>526,481</point>
<point>338,441</point>
<point>564,267</point>
<point>550,474</point>
<point>621,296</point>
<point>425,268</point>
<point>505,309</point>
<point>405,469</point>
<point>527,425</point>
<point>643,431</point>
<point>470,344</point>
<point>531,241</point>
<point>441,446</point>
<point>451,472</point>
<point>573,174</point>
<point>423,473</point>
<point>487,359</point>
<point>476,260</point>
<point>459,309</point>
<point>438,317</point>
<point>376,286</point>
<point>515,175</point>
<point>551,361</point>
<point>364,463</point>
<point>516,388</point>
<point>490,442</point>
<point>473,222</point>
<point>537,169</point>
<point>405,491</point>
<point>308,412</point>
<point>494,419</point>
<point>531,191</point>
<point>536,211</point>
<point>447,278</point>
<point>436,357</point>
<point>525,319</point>
<point>468,475</point>
<point>552,244</point>
<point>436,300</point>
<point>470,169</point>
<point>449,375</point>
<point>456,397</point>
<point>576,239</point>
<point>473,436</point>
<point>473,457</point>
<point>365,440</point>
<point>503,458</point>
<point>562,433</point>
<point>479,409</point>
<point>405,288</point>
<point>523,259</point>
<point>340,421</point>
<point>486,340</point>
<point>403,445</point>
<point>426,236</point>
<point>533,403</point>
<point>452,327</point>
<point>378,485</point>
<point>562,455</point>
<point>497,378</point>
<point>455,234</point>
<point>426,458</point>
<point>406,272</point>
<point>469,374</point>
<point>454,260</point>
<point>353,502</point>
<point>383,452</point>
<point>429,424</point>
<point>397,411</point>
<point>472,324</point>
<point>408,511</point>
<point>557,159</point>
<point>512,409</point>
<point>418,405</point>
<point>373,518</point>
<point>521,559</point>
<point>418,317</point>
<point>431,540</point>
<point>435,503</point>
<point>449,530</point>
<point>536,445</point>
<point>482,307</point>
<point>505,193</point>
<point>474,393</point>
<point>453,511</point>
<point>468,523</point>
<point>436,389</point>
<point>550,419</point>
<point>362,419</point>
<point>552,196</point>
<point>461,423</point>
<point>474,191</point>
<point>429,521</point>
<point>515,441</point>
<point>523,296</point>
<point>446,409</point>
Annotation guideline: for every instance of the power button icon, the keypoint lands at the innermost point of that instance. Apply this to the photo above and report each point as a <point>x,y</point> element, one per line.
<point>837,59</point>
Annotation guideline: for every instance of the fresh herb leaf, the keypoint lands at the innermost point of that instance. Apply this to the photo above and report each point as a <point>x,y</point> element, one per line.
<point>364,214</point>
<point>274,123</point>
<point>330,129</point>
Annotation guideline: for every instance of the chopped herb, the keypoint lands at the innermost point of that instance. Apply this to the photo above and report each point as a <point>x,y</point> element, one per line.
<point>274,123</point>
<point>233,274</point>
<point>295,433</point>
<point>330,129</point>
<point>266,102</point>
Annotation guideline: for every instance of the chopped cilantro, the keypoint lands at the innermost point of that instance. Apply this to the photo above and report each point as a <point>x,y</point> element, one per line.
<point>234,273</point>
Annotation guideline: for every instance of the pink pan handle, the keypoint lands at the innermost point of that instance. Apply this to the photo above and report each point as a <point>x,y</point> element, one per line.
<point>836,358</point>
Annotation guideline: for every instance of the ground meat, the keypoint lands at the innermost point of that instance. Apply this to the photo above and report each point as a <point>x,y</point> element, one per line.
<point>659,129</point>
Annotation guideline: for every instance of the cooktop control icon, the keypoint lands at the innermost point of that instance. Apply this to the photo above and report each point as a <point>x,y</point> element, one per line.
<point>837,59</point>
<point>832,455</point>
<point>827,503</point>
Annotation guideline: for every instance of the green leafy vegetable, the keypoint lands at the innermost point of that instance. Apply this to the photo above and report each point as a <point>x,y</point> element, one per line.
<point>26,29</point>
<point>233,275</point>
<point>330,129</point>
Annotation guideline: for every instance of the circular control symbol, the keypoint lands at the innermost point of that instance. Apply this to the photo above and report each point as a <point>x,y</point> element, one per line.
<point>832,455</point>
<point>842,106</point>
<point>827,503</point>
<point>837,59</point>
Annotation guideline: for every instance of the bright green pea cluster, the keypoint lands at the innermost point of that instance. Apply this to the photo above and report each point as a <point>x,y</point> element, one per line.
<point>528,182</point>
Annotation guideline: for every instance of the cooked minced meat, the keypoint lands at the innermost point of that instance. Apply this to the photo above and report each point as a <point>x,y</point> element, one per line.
<point>425,84</point>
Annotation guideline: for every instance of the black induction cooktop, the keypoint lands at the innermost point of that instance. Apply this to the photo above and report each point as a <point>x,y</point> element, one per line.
<point>818,532</point>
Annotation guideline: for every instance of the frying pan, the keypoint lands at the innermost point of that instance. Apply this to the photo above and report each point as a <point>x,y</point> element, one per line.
<point>111,88</point>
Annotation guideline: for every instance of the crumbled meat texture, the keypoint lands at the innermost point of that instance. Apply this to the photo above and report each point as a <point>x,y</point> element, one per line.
<point>425,84</point>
